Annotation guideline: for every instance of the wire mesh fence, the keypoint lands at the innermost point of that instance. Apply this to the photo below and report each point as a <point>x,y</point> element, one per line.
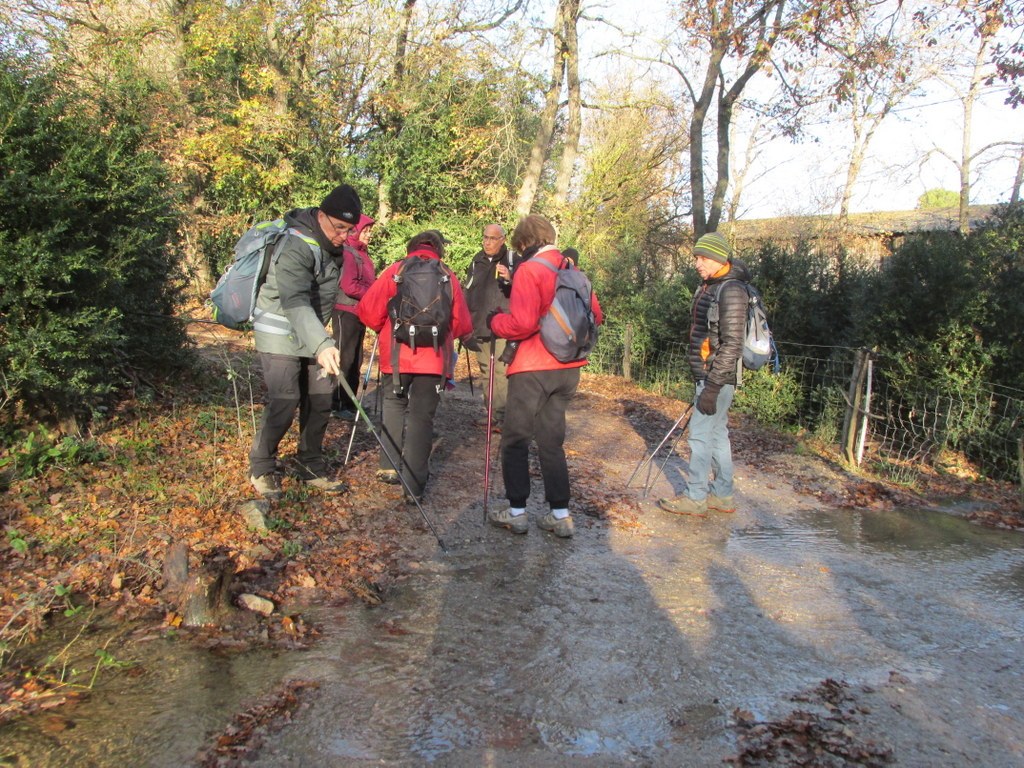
<point>897,430</point>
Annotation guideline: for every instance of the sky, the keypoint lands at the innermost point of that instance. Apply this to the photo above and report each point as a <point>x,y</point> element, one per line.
<point>807,177</point>
<point>809,174</point>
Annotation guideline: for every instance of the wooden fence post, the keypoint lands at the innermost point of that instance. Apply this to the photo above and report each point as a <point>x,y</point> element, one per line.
<point>627,353</point>
<point>848,439</point>
<point>1020,465</point>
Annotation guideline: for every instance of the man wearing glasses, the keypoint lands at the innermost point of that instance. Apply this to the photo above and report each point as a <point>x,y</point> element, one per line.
<point>297,354</point>
<point>488,286</point>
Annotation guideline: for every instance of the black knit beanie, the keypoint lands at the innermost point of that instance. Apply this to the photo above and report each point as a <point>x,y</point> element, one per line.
<point>343,203</point>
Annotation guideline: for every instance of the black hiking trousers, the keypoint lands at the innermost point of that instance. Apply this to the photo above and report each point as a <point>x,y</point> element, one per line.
<point>409,426</point>
<point>535,411</point>
<point>292,382</point>
<point>348,337</point>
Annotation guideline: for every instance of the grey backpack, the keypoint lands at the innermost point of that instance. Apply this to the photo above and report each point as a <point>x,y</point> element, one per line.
<point>568,329</point>
<point>758,346</point>
<point>234,297</point>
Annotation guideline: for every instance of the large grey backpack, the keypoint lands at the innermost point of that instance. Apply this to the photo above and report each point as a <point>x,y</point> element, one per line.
<point>568,329</point>
<point>234,297</point>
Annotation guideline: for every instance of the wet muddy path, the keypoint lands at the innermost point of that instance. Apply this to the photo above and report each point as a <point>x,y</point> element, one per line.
<point>647,640</point>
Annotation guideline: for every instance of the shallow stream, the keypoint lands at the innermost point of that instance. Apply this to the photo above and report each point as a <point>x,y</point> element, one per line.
<point>617,647</point>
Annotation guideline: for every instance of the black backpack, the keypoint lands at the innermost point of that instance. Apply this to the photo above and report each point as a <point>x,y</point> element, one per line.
<point>421,309</point>
<point>568,329</point>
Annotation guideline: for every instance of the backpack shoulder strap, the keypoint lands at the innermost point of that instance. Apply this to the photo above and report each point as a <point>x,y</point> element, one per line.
<point>552,267</point>
<point>314,246</point>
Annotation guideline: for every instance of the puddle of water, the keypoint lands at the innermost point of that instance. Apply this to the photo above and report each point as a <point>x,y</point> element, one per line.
<point>989,559</point>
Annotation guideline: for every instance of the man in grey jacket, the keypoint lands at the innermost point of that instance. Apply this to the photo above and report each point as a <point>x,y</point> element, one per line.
<point>297,354</point>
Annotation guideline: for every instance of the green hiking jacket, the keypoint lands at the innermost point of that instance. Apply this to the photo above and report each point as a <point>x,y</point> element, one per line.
<point>295,303</point>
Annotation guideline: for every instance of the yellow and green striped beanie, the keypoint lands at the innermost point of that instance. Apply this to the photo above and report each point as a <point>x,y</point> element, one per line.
<point>713,246</point>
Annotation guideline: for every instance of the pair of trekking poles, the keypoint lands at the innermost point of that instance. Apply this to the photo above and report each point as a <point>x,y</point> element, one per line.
<point>649,462</point>
<point>396,462</point>
<point>357,401</point>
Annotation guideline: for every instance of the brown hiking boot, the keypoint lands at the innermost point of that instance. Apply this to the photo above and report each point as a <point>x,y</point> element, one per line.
<point>268,486</point>
<point>388,476</point>
<point>560,526</point>
<point>326,485</point>
<point>502,518</point>
<point>721,503</point>
<point>684,505</point>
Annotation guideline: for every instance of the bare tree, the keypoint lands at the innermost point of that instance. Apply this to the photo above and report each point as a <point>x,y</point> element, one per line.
<point>571,143</point>
<point>981,21</point>
<point>736,39</point>
<point>879,56</point>
<point>1018,178</point>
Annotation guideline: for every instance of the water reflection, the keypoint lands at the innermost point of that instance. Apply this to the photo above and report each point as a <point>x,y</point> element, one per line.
<point>990,559</point>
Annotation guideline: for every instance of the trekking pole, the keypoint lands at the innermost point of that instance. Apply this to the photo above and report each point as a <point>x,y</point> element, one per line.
<point>394,463</point>
<point>487,440</point>
<point>469,370</point>
<point>647,461</point>
<point>364,384</point>
<point>377,393</point>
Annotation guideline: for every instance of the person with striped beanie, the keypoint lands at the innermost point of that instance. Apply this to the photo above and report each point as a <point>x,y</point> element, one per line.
<point>715,351</point>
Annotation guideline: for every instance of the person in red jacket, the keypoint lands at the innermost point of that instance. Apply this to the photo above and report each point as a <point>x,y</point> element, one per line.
<point>539,387</point>
<point>409,414</point>
<point>357,275</point>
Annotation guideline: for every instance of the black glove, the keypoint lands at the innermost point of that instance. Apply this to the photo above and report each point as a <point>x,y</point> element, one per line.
<point>490,317</point>
<point>470,343</point>
<point>510,352</point>
<point>707,403</point>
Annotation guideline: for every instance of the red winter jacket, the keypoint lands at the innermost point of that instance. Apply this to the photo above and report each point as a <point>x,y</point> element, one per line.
<point>357,272</point>
<point>373,312</point>
<point>533,290</point>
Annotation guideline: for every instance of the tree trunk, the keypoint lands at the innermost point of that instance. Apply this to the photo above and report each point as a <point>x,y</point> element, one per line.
<point>965,147</point>
<point>393,120</point>
<point>725,107</point>
<point>571,143</point>
<point>1018,179</point>
<point>542,141</point>
<point>700,113</point>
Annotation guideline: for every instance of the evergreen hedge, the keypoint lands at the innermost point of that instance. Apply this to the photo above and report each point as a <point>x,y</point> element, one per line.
<point>87,280</point>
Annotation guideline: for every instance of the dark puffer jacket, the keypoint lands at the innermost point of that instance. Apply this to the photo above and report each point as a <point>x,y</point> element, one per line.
<point>715,358</point>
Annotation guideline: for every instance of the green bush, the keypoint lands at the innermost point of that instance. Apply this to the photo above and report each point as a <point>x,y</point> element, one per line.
<point>462,232</point>
<point>772,399</point>
<point>812,297</point>
<point>88,281</point>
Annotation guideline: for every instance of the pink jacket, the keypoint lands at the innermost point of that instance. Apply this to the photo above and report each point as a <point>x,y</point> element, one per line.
<point>357,271</point>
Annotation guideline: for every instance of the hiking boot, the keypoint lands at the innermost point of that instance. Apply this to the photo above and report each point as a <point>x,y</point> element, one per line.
<point>721,503</point>
<point>388,476</point>
<point>343,413</point>
<point>268,486</point>
<point>684,505</point>
<point>561,527</point>
<point>326,485</point>
<point>502,518</point>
